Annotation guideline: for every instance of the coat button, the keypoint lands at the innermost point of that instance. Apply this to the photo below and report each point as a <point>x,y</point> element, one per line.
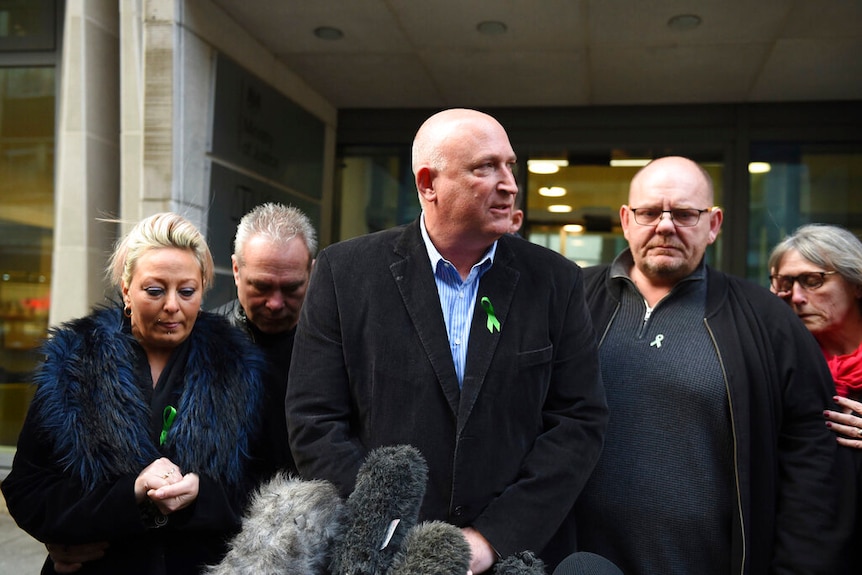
<point>458,511</point>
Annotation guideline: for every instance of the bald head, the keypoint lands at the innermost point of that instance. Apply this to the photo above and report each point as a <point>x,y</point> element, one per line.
<point>678,169</point>
<point>436,131</point>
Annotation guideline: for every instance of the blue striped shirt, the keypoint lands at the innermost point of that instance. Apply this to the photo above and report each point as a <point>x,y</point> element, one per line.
<point>457,298</point>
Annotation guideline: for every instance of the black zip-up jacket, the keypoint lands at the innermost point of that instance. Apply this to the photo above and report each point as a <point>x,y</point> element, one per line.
<point>787,471</point>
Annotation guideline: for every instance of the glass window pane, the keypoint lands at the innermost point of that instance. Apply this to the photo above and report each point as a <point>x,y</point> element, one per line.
<point>26,232</point>
<point>796,184</point>
<point>377,191</point>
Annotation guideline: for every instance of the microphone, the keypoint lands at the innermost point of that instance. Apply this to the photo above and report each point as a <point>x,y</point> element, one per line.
<point>524,563</point>
<point>289,527</point>
<point>585,563</point>
<point>383,507</point>
<point>432,548</point>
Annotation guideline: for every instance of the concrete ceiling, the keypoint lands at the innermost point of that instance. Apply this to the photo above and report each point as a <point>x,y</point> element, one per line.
<point>429,53</point>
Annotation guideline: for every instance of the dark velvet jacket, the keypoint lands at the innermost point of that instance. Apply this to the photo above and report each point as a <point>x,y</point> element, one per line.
<point>788,474</point>
<point>508,453</point>
<point>88,435</point>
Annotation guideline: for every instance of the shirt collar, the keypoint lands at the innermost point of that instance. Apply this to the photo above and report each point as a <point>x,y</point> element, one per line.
<point>435,255</point>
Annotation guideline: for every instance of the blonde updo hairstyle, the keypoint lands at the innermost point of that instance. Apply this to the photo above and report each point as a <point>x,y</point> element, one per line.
<point>164,230</point>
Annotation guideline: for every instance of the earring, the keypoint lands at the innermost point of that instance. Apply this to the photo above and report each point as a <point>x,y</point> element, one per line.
<point>127,311</point>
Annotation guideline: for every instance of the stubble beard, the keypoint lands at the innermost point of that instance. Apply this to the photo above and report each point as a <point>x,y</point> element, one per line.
<point>666,271</point>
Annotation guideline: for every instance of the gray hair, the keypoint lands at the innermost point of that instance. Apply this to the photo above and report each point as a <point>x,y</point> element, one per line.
<point>828,246</point>
<point>277,223</point>
<point>163,230</point>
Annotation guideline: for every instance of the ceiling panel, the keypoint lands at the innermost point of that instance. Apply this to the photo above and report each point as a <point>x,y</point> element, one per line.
<point>722,21</point>
<point>548,25</point>
<point>368,80</point>
<point>632,75</point>
<point>406,54</point>
<point>495,79</point>
<point>810,69</point>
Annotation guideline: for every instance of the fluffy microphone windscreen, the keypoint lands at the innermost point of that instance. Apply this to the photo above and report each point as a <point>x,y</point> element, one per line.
<point>289,527</point>
<point>432,548</point>
<point>384,505</point>
<point>524,563</point>
<point>585,563</point>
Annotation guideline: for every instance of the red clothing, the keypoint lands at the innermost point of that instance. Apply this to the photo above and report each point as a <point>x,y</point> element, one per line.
<point>847,373</point>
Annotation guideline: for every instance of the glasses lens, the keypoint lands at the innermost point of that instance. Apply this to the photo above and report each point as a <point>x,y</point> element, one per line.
<point>685,217</point>
<point>811,281</point>
<point>779,283</point>
<point>647,216</point>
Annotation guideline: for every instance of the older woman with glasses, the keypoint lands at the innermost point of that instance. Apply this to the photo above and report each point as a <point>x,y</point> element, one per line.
<point>818,272</point>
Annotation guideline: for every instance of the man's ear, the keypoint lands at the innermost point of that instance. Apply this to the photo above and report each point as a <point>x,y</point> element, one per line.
<point>425,184</point>
<point>235,266</point>
<point>625,214</point>
<point>716,216</point>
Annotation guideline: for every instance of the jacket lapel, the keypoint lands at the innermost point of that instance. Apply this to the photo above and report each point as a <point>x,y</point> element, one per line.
<point>498,285</point>
<point>415,280</point>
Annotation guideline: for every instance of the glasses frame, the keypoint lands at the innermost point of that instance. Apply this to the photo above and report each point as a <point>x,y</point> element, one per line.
<point>795,280</point>
<point>672,218</point>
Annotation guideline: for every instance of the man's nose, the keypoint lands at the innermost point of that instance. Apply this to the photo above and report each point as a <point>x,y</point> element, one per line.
<point>665,224</point>
<point>509,184</point>
<point>275,300</point>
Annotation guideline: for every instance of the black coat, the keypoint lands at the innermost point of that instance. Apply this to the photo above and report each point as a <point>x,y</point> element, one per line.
<point>371,366</point>
<point>274,453</point>
<point>89,433</point>
<point>787,470</point>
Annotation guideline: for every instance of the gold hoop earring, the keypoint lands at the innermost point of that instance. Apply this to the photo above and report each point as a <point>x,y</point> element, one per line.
<point>127,311</point>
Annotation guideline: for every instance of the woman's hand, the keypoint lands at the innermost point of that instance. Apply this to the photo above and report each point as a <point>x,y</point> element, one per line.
<point>158,474</point>
<point>176,495</point>
<point>846,423</point>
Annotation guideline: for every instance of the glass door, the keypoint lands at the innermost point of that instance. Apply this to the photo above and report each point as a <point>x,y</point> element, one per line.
<point>27,104</point>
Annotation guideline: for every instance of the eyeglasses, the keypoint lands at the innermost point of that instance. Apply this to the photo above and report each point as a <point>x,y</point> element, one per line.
<point>808,281</point>
<point>681,217</point>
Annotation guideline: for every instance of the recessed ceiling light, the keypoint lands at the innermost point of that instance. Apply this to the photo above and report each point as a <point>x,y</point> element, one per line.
<point>552,192</point>
<point>573,228</point>
<point>759,167</point>
<point>546,166</point>
<point>560,208</point>
<point>684,22</point>
<point>491,28</point>
<point>328,33</point>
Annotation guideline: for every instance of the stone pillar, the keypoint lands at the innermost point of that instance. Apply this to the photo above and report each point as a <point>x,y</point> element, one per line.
<point>87,177</point>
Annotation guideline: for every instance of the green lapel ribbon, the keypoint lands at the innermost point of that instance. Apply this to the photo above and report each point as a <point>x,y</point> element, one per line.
<point>493,322</point>
<point>168,417</point>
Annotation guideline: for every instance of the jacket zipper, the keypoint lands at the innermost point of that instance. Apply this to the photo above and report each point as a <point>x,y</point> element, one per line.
<point>735,444</point>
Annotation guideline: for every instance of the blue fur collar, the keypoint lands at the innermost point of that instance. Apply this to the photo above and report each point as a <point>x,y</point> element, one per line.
<point>88,403</point>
